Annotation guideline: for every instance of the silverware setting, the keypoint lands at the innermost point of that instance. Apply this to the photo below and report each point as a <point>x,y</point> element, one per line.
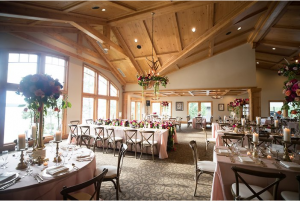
<point>263,164</point>
<point>10,183</point>
<point>276,165</point>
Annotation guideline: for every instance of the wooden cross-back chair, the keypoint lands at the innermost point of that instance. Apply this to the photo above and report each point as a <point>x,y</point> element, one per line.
<point>229,139</point>
<point>73,126</point>
<point>112,139</point>
<point>245,191</point>
<point>89,121</point>
<point>100,136</point>
<point>131,138</point>
<point>85,136</point>
<point>148,141</point>
<point>199,122</point>
<point>68,192</point>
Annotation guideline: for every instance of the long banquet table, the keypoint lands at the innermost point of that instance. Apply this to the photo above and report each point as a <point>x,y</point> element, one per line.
<point>27,188</point>
<point>224,176</point>
<point>160,135</point>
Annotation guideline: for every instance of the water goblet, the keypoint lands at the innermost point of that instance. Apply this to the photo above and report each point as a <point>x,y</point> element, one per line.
<point>65,155</point>
<point>29,161</point>
<point>5,158</point>
<point>51,145</point>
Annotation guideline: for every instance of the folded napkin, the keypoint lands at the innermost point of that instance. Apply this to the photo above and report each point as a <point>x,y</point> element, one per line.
<point>85,155</point>
<point>57,170</point>
<point>246,159</point>
<point>7,176</point>
<point>242,149</point>
<point>290,165</point>
<point>276,147</point>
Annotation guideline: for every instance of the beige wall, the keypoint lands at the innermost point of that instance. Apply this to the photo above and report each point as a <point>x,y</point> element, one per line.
<point>8,42</point>
<point>233,68</point>
<point>271,85</point>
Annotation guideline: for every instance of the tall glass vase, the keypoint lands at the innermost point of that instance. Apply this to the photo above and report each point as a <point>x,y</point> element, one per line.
<point>40,142</point>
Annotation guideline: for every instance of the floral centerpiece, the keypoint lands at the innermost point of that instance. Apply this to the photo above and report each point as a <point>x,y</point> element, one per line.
<point>41,91</point>
<point>133,123</point>
<point>141,124</point>
<point>151,124</point>
<point>125,123</point>
<point>171,128</point>
<point>156,124</point>
<point>164,104</point>
<point>100,121</point>
<point>235,105</point>
<point>116,122</point>
<point>291,87</point>
<point>107,122</point>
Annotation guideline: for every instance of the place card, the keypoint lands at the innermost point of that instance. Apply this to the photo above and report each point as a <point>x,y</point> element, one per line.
<point>39,152</point>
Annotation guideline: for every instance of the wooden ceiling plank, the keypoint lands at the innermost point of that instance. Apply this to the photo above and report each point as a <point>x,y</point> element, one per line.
<point>296,53</point>
<point>285,28</point>
<point>42,14</point>
<point>272,15</point>
<point>159,10</point>
<point>122,6</point>
<point>235,36</point>
<point>279,44</point>
<point>58,49</point>
<point>90,31</point>
<point>8,27</point>
<point>118,60</point>
<point>264,61</point>
<point>72,44</point>
<point>127,49</point>
<point>211,48</point>
<point>190,92</point>
<point>76,6</point>
<point>177,33</point>
<point>260,11</point>
<point>106,33</point>
<point>281,55</point>
<point>209,33</point>
<point>79,42</point>
<point>197,52</point>
<point>100,51</point>
<point>155,58</point>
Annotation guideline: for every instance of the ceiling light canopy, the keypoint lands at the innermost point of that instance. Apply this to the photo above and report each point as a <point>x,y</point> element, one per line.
<point>217,96</point>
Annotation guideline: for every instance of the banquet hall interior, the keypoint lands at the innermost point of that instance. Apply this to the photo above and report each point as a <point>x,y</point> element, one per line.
<point>149,100</point>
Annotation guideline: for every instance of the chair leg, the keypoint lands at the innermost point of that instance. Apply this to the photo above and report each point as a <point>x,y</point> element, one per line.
<point>141,151</point>
<point>117,189</point>
<point>103,142</point>
<point>114,148</point>
<point>197,178</point>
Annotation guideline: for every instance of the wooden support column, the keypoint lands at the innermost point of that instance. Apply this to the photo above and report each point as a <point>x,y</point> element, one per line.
<point>250,105</point>
<point>125,108</point>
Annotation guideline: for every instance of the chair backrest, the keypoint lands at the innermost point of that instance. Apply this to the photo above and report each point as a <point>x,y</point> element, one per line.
<point>149,137</point>
<point>75,122</point>
<point>211,119</point>
<point>277,176</point>
<point>188,117</point>
<point>73,128</point>
<point>131,135</point>
<point>99,131</point>
<point>110,133</point>
<point>198,120</point>
<point>228,138</point>
<point>96,181</point>
<point>172,120</point>
<point>89,121</point>
<point>193,146</point>
<point>85,130</point>
<point>121,155</point>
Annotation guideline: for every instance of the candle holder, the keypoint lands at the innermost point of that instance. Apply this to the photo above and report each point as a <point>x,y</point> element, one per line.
<point>286,156</point>
<point>57,156</point>
<point>21,165</point>
<point>255,151</point>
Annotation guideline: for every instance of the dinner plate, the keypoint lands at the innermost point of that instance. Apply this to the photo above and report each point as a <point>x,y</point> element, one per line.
<point>6,181</point>
<point>46,175</point>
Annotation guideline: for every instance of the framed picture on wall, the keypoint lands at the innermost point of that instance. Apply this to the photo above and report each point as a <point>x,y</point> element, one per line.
<point>221,107</point>
<point>179,106</point>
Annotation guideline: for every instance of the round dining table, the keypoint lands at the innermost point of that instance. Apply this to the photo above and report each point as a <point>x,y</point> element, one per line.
<point>29,188</point>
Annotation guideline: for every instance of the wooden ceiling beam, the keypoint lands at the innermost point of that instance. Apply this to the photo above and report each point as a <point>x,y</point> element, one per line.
<point>9,27</point>
<point>286,28</point>
<point>93,33</point>
<point>296,53</point>
<point>79,42</point>
<point>280,44</point>
<point>122,6</point>
<point>72,44</point>
<point>272,54</point>
<point>159,9</point>
<point>177,33</point>
<point>264,61</point>
<point>128,51</point>
<point>260,11</point>
<point>118,60</point>
<point>58,49</point>
<point>272,15</point>
<point>190,92</point>
<point>16,10</point>
<point>114,71</point>
<point>209,33</point>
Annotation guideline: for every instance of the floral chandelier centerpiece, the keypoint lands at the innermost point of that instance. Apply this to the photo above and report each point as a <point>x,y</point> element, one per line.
<point>235,105</point>
<point>291,88</point>
<point>41,91</point>
<point>152,79</point>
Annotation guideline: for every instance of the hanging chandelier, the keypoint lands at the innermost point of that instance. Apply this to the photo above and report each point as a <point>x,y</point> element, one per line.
<point>152,79</point>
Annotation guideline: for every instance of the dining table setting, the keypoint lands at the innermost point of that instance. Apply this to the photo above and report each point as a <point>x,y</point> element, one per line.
<point>72,165</point>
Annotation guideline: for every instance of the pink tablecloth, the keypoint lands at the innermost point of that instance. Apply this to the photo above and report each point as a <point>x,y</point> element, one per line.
<point>29,189</point>
<point>215,127</point>
<point>198,126</point>
<point>160,135</point>
<point>224,177</point>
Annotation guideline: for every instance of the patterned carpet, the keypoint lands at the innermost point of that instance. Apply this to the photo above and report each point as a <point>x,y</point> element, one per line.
<point>168,179</point>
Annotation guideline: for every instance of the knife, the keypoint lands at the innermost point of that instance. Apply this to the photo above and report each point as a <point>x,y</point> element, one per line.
<point>38,180</point>
<point>40,177</point>
<point>10,184</point>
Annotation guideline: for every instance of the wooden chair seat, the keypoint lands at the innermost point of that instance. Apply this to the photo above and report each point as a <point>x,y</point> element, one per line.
<point>244,191</point>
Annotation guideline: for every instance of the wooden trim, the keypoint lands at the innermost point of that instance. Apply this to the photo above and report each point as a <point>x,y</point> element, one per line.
<point>177,32</point>
<point>199,106</point>
<point>76,6</point>
<point>10,27</point>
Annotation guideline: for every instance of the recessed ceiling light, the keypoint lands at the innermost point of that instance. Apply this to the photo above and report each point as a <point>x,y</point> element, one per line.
<point>135,40</point>
<point>103,9</point>
<point>296,61</point>
<point>228,33</point>
<point>273,48</point>
<point>257,62</point>
<point>193,29</point>
<point>239,28</point>
<point>95,7</point>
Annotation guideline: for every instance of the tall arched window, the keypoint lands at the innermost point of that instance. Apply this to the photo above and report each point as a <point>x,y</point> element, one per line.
<point>100,97</point>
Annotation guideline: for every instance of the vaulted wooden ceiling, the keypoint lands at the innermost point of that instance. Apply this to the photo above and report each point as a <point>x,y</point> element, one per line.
<point>265,25</point>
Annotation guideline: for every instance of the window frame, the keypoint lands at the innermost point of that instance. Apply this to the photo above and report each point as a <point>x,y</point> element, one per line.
<point>161,110</point>
<point>4,57</point>
<point>276,101</point>
<point>199,106</point>
<point>96,96</point>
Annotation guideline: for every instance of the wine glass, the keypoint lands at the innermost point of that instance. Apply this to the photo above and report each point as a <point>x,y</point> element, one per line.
<point>5,158</point>
<point>51,145</point>
<point>65,155</point>
<point>29,161</point>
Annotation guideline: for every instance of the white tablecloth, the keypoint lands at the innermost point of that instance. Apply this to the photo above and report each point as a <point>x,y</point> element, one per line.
<point>215,127</point>
<point>160,135</point>
<point>29,189</point>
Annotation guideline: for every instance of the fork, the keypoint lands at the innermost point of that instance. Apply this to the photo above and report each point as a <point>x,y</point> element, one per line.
<point>10,184</point>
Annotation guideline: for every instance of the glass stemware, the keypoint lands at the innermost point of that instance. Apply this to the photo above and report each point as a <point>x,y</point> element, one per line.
<point>65,155</point>
<point>29,161</point>
<point>5,158</point>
